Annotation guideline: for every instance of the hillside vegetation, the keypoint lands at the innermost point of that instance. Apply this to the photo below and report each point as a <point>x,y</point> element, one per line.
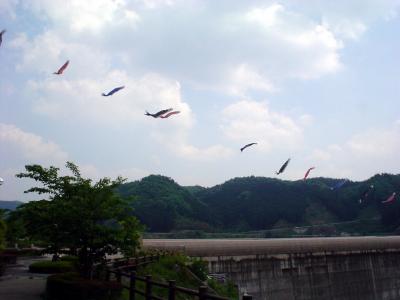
<point>257,203</point>
<point>273,206</point>
<point>11,205</point>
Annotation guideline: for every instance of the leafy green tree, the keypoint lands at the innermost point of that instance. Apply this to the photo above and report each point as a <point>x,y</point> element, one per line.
<point>3,228</point>
<point>160,203</point>
<point>15,228</point>
<point>87,218</point>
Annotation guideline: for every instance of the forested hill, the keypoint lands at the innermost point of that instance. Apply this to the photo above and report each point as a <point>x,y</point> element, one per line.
<point>163,205</point>
<point>259,203</point>
<point>11,205</point>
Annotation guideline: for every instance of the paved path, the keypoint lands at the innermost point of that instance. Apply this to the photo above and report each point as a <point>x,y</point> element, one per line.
<point>18,284</point>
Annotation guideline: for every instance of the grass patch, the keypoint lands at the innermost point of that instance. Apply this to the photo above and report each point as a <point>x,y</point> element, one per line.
<point>186,273</point>
<point>51,267</point>
<point>71,258</point>
<point>228,289</point>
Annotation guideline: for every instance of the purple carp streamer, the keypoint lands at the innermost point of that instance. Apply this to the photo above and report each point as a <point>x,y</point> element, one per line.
<point>62,69</point>
<point>248,145</point>
<point>282,169</point>
<point>113,91</point>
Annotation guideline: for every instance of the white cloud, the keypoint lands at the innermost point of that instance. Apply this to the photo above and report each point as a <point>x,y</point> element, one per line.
<point>95,173</point>
<point>236,48</point>
<point>267,16</point>
<point>210,153</point>
<point>363,155</point>
<point>320,155</point>
<point>19,148</point>
<point>151,45</point>
<point>7,8</point>
<point>349,20</point>
<point>91,15</point>
<point>153,4</point>
<point>177,141</point>
<point>376,143</point>
<point>301,39</point>
<point>82,99</point>
<point>249,120</point>
<point>46,52</point>
<point>7,88</point>
<point>29,145</point>
<point>347,29</point>
<point>306,120</point>
<point>76,95</point>
<point>234,51</point>
<point>243,78</point>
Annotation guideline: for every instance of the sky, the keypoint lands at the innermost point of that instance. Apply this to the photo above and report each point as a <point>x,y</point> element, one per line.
<point>316,81</point>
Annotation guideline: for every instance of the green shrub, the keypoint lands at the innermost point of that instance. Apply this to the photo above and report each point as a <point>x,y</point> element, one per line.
<point>69,286</point>
<point>70,258</point>
<point>74,260</point>
<point>227,289</point>
<point>51,267</point>
<point>176,267</point>
<point>199,268</point>
<point>3,228</point>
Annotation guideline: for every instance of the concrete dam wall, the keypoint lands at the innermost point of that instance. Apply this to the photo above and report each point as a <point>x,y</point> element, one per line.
<point>311,268</point>
<point>364,275</point>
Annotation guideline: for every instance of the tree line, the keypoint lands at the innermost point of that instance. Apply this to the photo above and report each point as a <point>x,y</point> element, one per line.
<point>95,219</point>
<point>259,203</point>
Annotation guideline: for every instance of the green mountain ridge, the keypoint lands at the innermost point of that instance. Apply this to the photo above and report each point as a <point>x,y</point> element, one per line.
<point>274,206</point>
<point>260,203</point>
<point>162,205</point>
<point>8,204</point>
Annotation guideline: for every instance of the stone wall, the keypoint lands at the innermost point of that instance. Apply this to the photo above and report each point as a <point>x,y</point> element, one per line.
<point>359,275</point>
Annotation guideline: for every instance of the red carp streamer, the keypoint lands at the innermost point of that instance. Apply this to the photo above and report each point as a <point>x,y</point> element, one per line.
<point>308,172</point>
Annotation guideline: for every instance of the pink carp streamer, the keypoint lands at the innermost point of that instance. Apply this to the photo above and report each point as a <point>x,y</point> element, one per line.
<point>169,114</point>
<point>390,199</point>
<point>308,172</point>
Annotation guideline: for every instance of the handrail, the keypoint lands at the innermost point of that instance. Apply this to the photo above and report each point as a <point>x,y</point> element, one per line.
<point>147,293</point>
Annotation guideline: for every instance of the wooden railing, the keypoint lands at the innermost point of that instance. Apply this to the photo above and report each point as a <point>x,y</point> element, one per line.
<point>126,268</point>
<point>173,289</point>
<point>133,262</point>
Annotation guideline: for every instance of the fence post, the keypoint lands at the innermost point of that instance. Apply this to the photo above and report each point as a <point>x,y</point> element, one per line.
<point>202,292</point>
<point>119,276</point>
<point>136,262</point>
<point>247,297</point>
<point>148,287</point>
<point>132,286</point>
<point>171,290</point>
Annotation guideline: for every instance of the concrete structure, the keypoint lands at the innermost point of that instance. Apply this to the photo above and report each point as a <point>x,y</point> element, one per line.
<point>306,268</point>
